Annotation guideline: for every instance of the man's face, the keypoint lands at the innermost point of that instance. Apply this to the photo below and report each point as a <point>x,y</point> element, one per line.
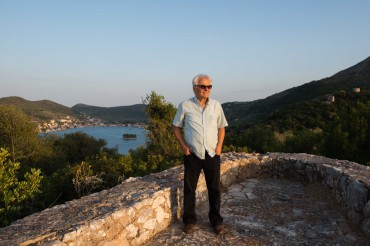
<point>203,89</point>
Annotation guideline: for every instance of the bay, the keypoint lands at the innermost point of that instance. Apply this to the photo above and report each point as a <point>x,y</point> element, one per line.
<point>113,136</point>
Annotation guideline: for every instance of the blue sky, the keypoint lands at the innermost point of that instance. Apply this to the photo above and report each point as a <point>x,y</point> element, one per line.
<point>113,53</point>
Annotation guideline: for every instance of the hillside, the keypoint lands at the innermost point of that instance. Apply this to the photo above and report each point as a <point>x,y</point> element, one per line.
<point>43,110</point>
<point>256,111</point>
<point>121,114</point>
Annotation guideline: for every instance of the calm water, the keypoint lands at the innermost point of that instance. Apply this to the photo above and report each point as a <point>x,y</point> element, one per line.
<point>113,136</point>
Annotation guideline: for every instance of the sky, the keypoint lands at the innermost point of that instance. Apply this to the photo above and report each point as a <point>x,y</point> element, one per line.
<point>113,53</point>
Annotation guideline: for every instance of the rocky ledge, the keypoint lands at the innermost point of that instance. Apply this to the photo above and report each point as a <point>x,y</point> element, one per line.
<point>140,208</point>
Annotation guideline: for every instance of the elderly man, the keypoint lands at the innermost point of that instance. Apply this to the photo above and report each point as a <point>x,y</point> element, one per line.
<point>203,122</point>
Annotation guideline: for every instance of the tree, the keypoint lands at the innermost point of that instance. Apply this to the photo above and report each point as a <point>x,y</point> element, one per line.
<point>13,192</point>
<point>261,139</point>
<point>348,137</point>
<point>18,133</point>
<point>78,146</point>
<point>304,141</point>
<point>163,149</point>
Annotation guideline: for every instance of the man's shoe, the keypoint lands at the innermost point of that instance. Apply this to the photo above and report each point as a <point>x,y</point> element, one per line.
<point>189,228</point>
<point>219,229</point>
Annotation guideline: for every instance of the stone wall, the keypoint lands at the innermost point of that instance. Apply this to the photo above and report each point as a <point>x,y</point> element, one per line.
<point>136,210</point>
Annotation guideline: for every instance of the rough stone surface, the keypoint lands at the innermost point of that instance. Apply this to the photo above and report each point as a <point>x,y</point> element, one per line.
<point>138,209</point>
<point>366,210</point>
<point>310,217</point>
<point>357,196</point>
<point>366,227</point>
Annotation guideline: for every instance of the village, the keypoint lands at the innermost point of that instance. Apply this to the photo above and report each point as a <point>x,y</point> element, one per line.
<point>85,121</point>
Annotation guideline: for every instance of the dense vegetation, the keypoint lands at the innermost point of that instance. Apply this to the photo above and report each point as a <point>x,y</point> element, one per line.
<point>122,114</point>
<point>338,129</point>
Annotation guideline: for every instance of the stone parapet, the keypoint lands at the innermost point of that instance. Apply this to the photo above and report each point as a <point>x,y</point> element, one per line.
<point>139,208</point>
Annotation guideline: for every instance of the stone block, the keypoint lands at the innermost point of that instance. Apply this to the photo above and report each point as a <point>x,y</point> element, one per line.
<point>229,174</point>
<point>143,237</point>
<point>54,243</point>
<point>355,217</point>
<point>150,224</point>
<point>160,214</point>
<point>96,224</point>
<point>158,201</point>
<point>366,227</point>
<point>299,165</point>
<point>329,181</point>
<point>366,210</point>
<point>144,214</point>
<point>122,214</point>
<point>357,196</point>
<point>119,241</point>
<point>131,231</point>
<point>131,212</point>
<point>343,183</point>
<point>335,172</point>
<point>69,237</point>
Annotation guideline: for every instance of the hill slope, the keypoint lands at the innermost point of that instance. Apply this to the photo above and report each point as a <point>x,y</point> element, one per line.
<point>122,114</point>
<point>42,110</point>
<point>257,111</point>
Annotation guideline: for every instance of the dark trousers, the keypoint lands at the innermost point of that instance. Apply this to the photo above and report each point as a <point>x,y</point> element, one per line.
<point>211,169</point>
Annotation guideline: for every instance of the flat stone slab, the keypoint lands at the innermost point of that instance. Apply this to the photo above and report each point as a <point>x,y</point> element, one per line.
<point>271,212</point>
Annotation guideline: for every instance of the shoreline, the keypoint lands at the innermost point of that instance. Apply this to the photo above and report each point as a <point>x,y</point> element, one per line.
<point>140,126</point>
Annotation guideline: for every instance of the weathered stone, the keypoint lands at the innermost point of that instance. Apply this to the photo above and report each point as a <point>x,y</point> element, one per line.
<point>357,196</point>
<point>158,201</point>
<point>143,237</point>
<point>144,214</point>
<point>299,165</point>
<point>119,241</point>
<point>366,227</point>
<point>131,212</point>
<point>131,231</point>
<point>354,216</point>
<point>343,184</point>
<point>366,210</point>
<point>96,224</point>
<point>283,197</point>
<point>69,237</point>
<point>54,243</point>
<point>150,224</point>
<point>160,214</point>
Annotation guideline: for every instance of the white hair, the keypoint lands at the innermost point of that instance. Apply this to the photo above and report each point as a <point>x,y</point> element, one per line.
<point>199,77</point>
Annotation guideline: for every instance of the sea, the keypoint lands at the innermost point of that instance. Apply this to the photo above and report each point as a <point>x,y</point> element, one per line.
<point>113,136</point>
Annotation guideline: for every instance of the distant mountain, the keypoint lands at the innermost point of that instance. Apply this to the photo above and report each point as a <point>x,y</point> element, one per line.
<point>123,114</point>
<point>256,111</point>
<point>43,110</point>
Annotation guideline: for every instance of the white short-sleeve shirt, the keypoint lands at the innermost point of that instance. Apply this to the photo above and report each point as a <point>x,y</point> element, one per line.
<point>200,125</point>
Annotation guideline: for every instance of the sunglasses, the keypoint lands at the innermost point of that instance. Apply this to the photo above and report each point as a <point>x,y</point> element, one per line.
<point>204,87</point>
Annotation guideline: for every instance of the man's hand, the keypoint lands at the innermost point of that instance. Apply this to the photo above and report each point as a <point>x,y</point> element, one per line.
<point>186,150</point>
<point>218,149</point>
<point>178,136</point>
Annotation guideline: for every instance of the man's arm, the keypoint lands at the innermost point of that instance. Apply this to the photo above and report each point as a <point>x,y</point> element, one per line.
<point>221,137</point>
<point>177,132</point>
